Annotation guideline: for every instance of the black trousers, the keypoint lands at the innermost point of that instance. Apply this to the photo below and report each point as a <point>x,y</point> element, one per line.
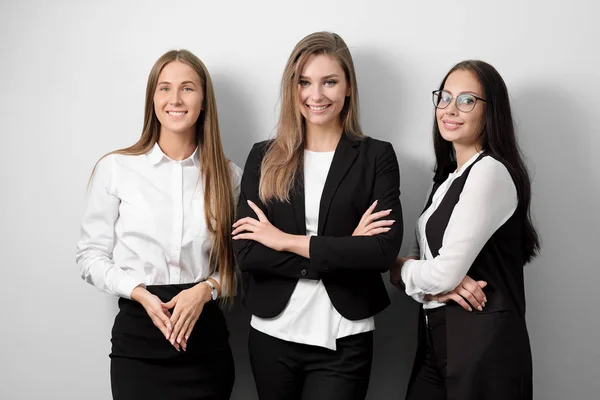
<point>292,371</point>
<point>429,381</point>
<point>144,365</point>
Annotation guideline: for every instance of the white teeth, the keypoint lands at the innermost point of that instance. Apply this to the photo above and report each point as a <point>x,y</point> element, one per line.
<point>317,108</point>
<point>176,112</point>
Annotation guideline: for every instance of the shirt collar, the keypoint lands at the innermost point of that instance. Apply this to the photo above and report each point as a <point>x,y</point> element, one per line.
<point>156,155</point>
<point>469,162</point>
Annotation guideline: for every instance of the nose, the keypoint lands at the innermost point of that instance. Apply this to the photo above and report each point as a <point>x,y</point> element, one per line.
<point>452,109</point>
<point>175,98</point>
<point>316,93</point>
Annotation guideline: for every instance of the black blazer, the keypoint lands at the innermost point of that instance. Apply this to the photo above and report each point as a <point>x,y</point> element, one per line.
<point>361,172</point>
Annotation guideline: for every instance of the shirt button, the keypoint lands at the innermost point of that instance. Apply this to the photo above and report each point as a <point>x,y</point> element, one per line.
<point>303,272</point>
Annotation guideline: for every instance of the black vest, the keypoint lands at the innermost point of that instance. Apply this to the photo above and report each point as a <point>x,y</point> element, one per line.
<point>500,262</point>
<point>488,352</point>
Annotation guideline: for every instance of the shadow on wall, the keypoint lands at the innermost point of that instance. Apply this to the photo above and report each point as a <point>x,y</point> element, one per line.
<point>239,129</point>
<point>237,120</point>
<point>557,138</point>
<point>382,114</point>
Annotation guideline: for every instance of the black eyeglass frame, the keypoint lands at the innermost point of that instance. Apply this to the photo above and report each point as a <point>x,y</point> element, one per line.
<point>439,91</point>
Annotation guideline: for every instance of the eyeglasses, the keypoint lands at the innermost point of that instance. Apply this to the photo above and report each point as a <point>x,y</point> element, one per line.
<point>464,102</point>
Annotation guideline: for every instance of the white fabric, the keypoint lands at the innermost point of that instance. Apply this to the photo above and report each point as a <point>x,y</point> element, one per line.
<point>309,317</point>
<point>488,200</point>
<point>144,223</point>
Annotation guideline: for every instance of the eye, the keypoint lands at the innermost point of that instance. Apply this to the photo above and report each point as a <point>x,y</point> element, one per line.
<point>446,97</point>
<point>468,100</point>
<point>187,89</point>
<point>330,82</point>
<point>303,82</point>
<point>163,89</point>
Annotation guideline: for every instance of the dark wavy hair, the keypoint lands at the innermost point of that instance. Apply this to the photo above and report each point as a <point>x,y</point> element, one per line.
<point>497,139</point>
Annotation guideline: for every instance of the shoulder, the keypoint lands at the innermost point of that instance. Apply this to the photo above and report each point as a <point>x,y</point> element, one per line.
<point>490,168</point>
<point>258,151</point>
<point>235,171</point>
<point>491,177</point>
<point>374,146</point>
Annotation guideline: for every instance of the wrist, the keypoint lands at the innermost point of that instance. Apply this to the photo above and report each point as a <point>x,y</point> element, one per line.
<point>203,290</point>
<point>139,294</point>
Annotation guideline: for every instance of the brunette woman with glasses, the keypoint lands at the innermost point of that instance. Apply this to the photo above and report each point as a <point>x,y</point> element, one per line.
<point>475,233</point>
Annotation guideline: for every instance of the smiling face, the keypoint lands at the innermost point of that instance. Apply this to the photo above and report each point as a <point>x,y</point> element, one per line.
<point>458,127</point>
<point>178,99</point>
<point>322,91</point>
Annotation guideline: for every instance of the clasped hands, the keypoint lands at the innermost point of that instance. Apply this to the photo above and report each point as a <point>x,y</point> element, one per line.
<point>187,306</point>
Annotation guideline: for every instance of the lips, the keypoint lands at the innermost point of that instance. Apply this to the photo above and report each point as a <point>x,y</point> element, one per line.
<point>451,125</point>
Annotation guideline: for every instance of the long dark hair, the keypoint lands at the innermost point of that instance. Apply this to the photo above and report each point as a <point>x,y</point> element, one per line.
<point>497,140</point>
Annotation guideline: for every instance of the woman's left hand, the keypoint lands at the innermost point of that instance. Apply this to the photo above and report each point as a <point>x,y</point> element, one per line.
<point>261,230</point>
<point>188,306</point>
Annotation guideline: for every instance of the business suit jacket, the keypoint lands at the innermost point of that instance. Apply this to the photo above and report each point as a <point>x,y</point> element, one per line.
<point>361,172</point>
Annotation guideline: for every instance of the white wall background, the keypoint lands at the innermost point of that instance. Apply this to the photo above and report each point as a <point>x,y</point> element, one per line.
<point>72,83</point>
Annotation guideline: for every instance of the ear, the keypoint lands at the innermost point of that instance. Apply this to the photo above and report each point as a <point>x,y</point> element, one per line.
<point>348,91</point>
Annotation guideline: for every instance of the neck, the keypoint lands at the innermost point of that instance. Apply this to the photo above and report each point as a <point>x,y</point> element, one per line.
<point>323,138</point>
<point>464,153</point>
<point>177,146</point>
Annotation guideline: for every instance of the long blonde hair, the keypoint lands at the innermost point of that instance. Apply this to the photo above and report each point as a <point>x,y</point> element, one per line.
<point>285,154</point>
<point>219,205</point>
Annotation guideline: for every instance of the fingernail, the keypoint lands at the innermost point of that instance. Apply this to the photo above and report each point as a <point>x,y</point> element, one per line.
<point>187,338</point>
<point>470,309</point>
<point>485,299</point>
<point>375,202</point>
<point>179,340</point>
<point>480,308</point>
<point>483,304</point>
<point>167,336</point>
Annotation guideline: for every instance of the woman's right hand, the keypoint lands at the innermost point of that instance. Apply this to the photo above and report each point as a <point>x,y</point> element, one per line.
<point>156,309</point>
<point>370,224</point>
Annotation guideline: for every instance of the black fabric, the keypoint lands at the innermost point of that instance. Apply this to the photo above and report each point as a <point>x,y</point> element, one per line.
<point>292,371</point>
<point>430,376</point>
<point>488,352</point>
<point>145,365</point>
<point>350,267</point>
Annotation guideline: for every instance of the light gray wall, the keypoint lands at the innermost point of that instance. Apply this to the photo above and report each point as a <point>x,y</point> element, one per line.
<point>72,82</point>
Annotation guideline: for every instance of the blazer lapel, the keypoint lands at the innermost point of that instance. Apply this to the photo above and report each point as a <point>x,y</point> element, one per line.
<point>344,157</point>
<point>297,199</point>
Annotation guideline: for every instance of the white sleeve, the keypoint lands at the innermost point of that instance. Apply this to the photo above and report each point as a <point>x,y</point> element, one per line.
<point>488,200</point>
<point>94,250</point>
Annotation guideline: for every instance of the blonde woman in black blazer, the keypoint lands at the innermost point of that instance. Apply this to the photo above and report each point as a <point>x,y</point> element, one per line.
<point>313,264</point>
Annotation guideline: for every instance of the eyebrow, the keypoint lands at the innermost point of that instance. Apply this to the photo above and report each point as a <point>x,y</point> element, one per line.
<point>183,83</point>
<point>325,77</point>
<point>465,92</point>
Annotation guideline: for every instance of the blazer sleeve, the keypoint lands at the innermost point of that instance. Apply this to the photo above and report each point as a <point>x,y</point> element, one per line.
<point>372,253</point>
<point>252,256</point>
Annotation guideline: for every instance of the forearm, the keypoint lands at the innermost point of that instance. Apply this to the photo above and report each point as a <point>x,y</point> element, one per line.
<point>354,252</point>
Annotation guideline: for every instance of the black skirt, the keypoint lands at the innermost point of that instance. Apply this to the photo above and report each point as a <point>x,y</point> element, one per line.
<point>144,365</point>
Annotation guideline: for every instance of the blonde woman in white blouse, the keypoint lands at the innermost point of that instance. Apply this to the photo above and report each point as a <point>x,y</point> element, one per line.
<point>156,233</point>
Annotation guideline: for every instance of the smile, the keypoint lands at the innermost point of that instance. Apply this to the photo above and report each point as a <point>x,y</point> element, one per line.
<point>451,125</point>
<point>318,108</point>
<point>176,113</point>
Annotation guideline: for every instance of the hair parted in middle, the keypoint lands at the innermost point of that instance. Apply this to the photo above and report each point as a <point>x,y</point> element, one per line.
<point>284,156</point>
